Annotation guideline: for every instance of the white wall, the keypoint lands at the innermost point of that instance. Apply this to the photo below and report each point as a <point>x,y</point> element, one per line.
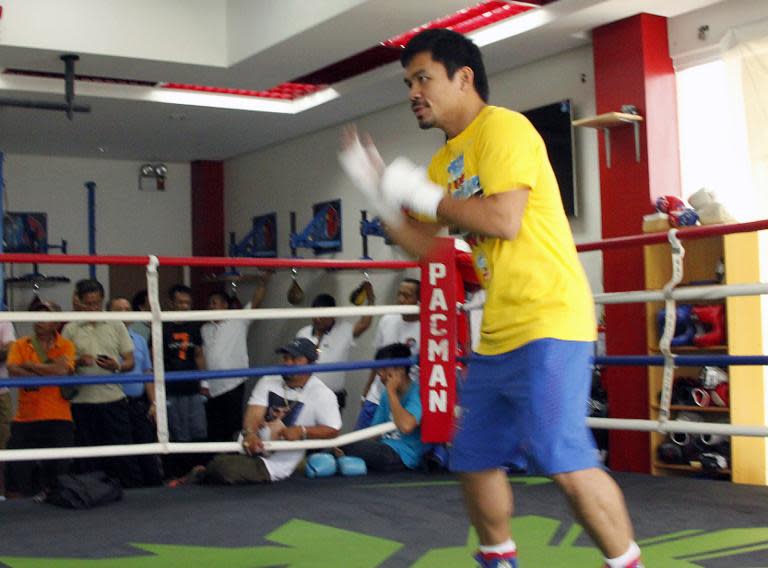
<point>296,174</point>
<point>128,221</point>
<point>186,31</point>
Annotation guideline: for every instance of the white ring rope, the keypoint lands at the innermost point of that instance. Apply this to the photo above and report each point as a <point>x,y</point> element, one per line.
<point>215,315</point>
<point>684,294</point>
<point>683,426</point>
<point>194,447</point>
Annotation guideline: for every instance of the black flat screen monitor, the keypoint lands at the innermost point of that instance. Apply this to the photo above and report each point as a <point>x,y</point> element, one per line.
<point>553,122</point>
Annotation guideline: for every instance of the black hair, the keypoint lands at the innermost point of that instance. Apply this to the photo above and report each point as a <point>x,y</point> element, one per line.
<point>324,301</point>
<point>139,299</point>
<point>223,295</point>
<point>415,282</point>
<point>112,299</point>
<point>454,51</point>
<point>179,288</point>
<point>394,351</point>
<point>86,286</point>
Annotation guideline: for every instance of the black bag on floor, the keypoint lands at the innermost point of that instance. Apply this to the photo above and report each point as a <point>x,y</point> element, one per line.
<point>85,490</point>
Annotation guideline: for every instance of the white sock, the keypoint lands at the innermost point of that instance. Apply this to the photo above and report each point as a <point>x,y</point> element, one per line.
<point>503,548</point>
<point>632,553</point>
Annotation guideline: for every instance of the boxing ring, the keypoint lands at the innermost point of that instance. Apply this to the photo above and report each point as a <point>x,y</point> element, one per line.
<point>337,514</point>
<point>439,332</point>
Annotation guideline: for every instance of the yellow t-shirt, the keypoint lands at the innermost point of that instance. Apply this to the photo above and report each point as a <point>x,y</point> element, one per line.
<point>536,287</point>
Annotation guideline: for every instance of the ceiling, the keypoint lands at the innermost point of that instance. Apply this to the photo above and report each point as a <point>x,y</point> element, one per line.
<point>243,44</point>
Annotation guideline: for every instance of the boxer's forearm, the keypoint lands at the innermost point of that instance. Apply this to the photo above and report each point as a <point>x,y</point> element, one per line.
<point>499,215</point>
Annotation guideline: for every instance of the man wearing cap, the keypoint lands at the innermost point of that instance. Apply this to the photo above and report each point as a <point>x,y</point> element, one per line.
<point>290,407</point>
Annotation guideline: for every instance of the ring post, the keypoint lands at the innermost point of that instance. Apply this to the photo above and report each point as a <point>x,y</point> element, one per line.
<point>437,374</point>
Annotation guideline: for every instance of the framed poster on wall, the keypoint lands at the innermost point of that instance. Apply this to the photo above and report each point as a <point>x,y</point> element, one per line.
<point>327,233</point>
<point>264,233</point>
<point>25,232</point>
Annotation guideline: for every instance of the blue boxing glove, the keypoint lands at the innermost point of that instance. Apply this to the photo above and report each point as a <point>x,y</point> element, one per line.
<point>685,326</point>
<point>350,466</point>
<point>320,465</point>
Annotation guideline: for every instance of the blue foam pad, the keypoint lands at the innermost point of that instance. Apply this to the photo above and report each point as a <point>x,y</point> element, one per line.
<point>351,466</point>
<point>320,465</point>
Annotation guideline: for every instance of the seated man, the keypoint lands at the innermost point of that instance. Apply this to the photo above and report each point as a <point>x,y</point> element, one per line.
<point>291,407</point>
<point>400,403</point>
<point>43,418</point>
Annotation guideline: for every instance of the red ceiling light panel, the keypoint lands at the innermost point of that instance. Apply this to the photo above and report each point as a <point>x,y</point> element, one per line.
<point>464,21</point>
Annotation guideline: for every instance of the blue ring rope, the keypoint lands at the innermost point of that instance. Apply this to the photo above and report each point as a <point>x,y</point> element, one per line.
<point>682,360</point>
<point>175,376</point>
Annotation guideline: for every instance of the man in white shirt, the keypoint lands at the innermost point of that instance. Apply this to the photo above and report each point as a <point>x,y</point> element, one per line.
<point>288,407</point>
<point>392,328</point>
<point>334,338</point>
<point>225,346</point>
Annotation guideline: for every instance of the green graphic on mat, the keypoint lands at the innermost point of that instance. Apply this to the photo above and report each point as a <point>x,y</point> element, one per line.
<point>301,544</point>
<point>535,536</point>
<point>304,545</point>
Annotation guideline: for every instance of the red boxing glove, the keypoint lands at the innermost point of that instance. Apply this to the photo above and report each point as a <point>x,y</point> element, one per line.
<point>669,203</point>
<point>713,319</point>
<point>719,395</point>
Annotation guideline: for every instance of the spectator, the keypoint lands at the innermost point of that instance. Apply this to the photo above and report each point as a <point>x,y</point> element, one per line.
<point>183,351</point>
<point>225,347</point>
<point>291,407</point>
<point>140,303</point>
<point>334,338</point>
<point>392,328</point>
<point>7,336</point>
<point>141,402</point>
<point>400,403</point>
<point>100,411</point>
<point>43,417</point>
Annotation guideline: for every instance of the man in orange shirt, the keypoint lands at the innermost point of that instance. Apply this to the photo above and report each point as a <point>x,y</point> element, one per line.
<point>43,417</point>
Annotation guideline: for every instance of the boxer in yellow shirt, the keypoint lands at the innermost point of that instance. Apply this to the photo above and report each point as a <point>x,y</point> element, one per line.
<point>523,402</point>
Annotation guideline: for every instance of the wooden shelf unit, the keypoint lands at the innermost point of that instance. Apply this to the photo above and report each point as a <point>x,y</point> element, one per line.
<point>609,120</point>
<point>740,254</point>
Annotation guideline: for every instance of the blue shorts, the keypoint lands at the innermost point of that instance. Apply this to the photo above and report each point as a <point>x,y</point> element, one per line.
<point>526,409</point>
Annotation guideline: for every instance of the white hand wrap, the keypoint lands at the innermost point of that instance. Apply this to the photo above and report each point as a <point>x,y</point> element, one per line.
<point>357,163</point>
<point>405,183</point>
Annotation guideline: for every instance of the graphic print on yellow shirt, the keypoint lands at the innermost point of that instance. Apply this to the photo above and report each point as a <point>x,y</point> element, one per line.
<point>536,286</point>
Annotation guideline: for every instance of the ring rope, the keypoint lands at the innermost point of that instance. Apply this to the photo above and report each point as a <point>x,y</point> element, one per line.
<point>214,315</point>
<point>174,376</point>
<point>192,447</point>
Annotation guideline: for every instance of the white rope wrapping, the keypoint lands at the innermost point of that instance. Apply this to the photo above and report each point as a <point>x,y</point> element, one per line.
<point>156,329</point>
<point>201,447</point>
<point>670,322</point>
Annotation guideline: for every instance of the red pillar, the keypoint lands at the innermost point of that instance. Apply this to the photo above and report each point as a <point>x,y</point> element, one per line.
<point>632,66</point>
<point>207,180</point>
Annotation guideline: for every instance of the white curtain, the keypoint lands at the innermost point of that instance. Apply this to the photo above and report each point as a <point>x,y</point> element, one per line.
<point>723,114</point>
<point>746,60</point>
